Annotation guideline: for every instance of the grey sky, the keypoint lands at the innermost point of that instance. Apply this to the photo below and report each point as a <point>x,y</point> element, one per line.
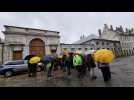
<point>70,24</point>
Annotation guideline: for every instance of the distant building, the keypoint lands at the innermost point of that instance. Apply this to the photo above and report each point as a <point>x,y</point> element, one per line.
<point>97,44</point>
<point>93,42</point>
<point>74,47</point>
<point>126,38</point>
<point>1,51</point>
<point>21,41</point>
<point>78,45</point>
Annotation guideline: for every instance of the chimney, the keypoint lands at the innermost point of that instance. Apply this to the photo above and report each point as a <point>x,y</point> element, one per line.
<point>126,30</point>
<point>99,33</point>
<point>111,27</point>
<point>116,29</point>
<point>121,28</point>
<point>105,26</point>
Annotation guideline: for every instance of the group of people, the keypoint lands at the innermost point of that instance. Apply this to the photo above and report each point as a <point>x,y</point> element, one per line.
<point>67,62</point>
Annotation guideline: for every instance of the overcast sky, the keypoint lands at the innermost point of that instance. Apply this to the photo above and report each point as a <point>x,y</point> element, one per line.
<point>70,24</point>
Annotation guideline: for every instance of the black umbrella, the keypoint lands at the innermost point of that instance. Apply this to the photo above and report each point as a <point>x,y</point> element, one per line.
<point>28,57</point>
<point>48,58</point>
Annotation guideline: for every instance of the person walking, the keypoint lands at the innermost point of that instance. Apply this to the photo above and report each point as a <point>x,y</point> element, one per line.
<point>68,64</point>
<point>77,63</point>
<point>33,69</point>
<point>91,66</point>
<point>33,64</point>
<point>64,63</point>
<point>105,69</point>
<point>27,58</point>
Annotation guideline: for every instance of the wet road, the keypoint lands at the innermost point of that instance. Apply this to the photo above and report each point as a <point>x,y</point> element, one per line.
<point>122,76</point>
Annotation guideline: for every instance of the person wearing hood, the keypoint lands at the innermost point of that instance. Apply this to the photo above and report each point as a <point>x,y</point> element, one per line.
<point>78,63</point>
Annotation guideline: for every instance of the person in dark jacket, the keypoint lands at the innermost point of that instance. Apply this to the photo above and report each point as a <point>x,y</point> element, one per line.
<point>105,69</point>
<point>64,63</point>
<point>90,64</point>
<point>30,69</point>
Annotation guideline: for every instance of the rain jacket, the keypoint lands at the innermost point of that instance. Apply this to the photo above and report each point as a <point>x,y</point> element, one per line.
<point>77,60</point>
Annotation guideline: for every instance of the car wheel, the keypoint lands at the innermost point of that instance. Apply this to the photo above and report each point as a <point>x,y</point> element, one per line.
<point>38,69</point>
<point>8,73</point>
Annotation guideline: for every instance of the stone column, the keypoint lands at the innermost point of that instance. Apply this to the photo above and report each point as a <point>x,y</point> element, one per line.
<point>25,50</point>
<point>6,53</point>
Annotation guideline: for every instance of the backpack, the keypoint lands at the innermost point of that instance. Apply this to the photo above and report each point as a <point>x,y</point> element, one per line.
<point>77,60</point>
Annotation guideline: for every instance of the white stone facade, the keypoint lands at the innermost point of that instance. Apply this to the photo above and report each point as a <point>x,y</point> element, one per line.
<point>20,38</point>
<point>126,38</point>
<point>74,47</point>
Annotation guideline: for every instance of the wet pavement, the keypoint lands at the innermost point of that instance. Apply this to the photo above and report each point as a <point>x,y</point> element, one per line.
<point>122,70</point>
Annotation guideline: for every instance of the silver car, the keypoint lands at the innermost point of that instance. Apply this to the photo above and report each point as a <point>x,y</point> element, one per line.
<point>12,67</point>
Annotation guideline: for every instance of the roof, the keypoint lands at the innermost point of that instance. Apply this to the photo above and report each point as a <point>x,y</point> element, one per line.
<point>72,44</point>
<point>30,28</point>
<point>104,40</point>
<point>86,39</point>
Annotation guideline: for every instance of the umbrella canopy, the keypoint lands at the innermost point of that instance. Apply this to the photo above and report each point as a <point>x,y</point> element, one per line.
<point>104,56</point>
<point>48,58</point>
<point>34,60</point>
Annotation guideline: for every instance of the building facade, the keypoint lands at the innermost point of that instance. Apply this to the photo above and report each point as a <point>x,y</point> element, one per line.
<point>20,41</point>
<point>105,44</point>
<point>1,51</point>
<point>93,42</point>
<point>74,47</point>
<point>126,38</point>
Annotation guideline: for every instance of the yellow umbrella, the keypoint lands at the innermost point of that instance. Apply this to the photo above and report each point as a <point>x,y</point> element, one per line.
<point>34,60</point>
<point>104,56</point>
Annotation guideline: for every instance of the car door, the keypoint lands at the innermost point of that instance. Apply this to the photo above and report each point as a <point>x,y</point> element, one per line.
<point>24,65</point>
<point>18,66</point>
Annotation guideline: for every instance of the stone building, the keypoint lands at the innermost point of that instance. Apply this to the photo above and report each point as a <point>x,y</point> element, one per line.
<point>21,41</point>
<point>1,51</point>
<point>93,42</point>
<point>74,47</point>
<point>126,38</point>
<point>97,44</point>
<point>78,45</point>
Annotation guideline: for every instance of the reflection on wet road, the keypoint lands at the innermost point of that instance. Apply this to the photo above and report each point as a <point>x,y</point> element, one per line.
<point>122,75</point>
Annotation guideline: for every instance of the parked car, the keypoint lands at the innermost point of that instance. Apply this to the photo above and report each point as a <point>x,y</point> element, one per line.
<point>12,67</point>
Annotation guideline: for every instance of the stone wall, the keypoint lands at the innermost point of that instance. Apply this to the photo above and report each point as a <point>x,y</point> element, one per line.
<point>23,36</point>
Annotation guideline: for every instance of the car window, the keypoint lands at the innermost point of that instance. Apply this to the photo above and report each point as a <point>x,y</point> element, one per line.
<point>19,62</point>
<point>25,61</point>
<point>15,63</point>
<point>10,63</point>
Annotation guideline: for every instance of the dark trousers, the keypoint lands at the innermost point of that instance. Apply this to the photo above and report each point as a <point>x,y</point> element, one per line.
<point>79,70</point>
<point>32,69</point>
<point>106,73</point>
<point>69,70</point>
<point>49,73</point>
<point>29,69</point>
